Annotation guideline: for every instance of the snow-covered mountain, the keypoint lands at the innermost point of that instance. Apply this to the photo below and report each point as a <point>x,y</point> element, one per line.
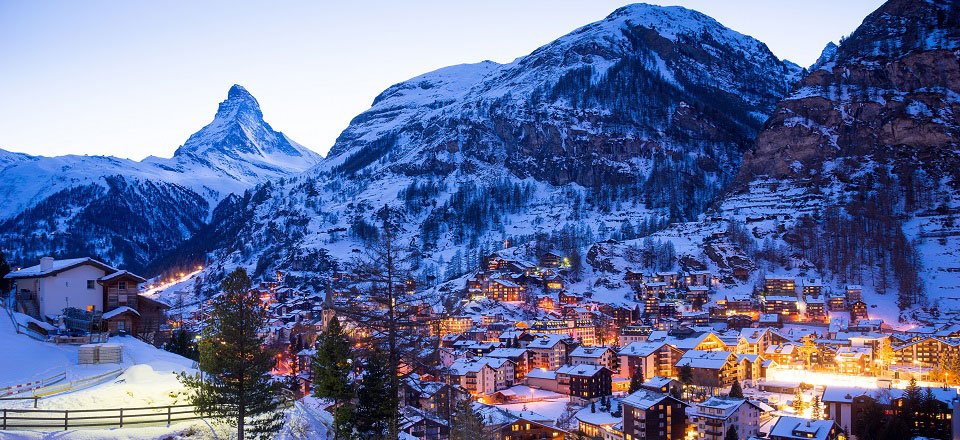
<point>129,212</point>
<point>611,130</point>
<point>855,177</point>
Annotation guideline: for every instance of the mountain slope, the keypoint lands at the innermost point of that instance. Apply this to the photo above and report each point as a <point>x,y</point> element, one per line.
<point>608,131</point>
<point>854,177</point>
<point>129,212</point>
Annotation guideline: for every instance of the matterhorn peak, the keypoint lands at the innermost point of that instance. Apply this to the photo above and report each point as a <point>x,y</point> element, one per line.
<point>239,100</point>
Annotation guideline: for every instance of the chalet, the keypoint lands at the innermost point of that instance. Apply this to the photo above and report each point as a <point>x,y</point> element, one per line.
<point>795,428</point>
<point>632,278</point>
<point>752,367</point>
<point>753,341</point>
<point>452,325</point>
<point>740,305</point>
<point>602,356</point>
<point>858,311</point>
<point>504,290</point>
<point>698,296</point>
<point>714,416</point>
<point>710,369</point>
<point>670,279</point>
<point>515,338</point>
<point>549,351</point>
<point>928,352</point>
<point>435,397</point>
<point>788,306</point>
<point>854,360</point>
<point>780,286</point>
<point>585,382</point>
<point>649,359</point>
<point>653,416</point>
<point>519,356</point>
<point>701,278</point>
<point>785,354</point>
<point>813,287</point>
<point>502,424</point>
<point>656,289</point>
<point>421,424</point>
<point>843,405</point>
<point>543,379</point>
<point>44,291</point>
<point>569,299</point>
<point>634,333</point>
<point>551,259</point>
<point>584,331</point>
<point>816,308</point>
<point>595,423</point>
<point>661,384</point>
<point>837,303</point>
<point>854,293</point>
<point>770,320</point>
<point>481,376</point>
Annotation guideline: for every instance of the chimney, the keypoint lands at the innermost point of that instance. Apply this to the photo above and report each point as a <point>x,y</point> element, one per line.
<point>46,263</point>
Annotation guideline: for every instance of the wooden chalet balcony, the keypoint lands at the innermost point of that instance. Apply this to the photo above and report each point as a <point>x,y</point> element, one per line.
<point>117,297</point>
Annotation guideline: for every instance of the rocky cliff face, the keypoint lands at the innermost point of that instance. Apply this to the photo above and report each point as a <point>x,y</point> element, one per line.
<point>890,91</point>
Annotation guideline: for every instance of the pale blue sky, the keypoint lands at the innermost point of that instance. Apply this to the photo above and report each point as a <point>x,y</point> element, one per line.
<point>135,78</point>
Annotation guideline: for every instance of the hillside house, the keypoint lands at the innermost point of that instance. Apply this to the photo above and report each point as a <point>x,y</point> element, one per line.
<point>651,415</point>
<point>45,290</point>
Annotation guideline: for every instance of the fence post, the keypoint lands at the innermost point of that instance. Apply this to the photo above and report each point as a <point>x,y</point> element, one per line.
<point>66,417</point>
<point>4,419</point>
<point>35,400</point>
<point>121,417</point>
<point>168,416</point>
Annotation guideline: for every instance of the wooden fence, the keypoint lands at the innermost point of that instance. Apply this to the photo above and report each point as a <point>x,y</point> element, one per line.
<point>47,419</point>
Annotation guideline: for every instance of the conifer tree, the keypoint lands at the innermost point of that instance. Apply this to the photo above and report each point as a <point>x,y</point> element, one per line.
<point>731,433</point>
<point>817,413</point>
<point>467,424</point>
<point>798,404</point>
<point>376,410</point>
<point>636,381</point>
<point>331,374</point>
<point>236,386</point>
<point>736,390</point>
<point>181,342</point>
<point>4,283</point>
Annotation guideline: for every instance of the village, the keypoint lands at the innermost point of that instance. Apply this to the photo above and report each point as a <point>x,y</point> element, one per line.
<point>790,360</point>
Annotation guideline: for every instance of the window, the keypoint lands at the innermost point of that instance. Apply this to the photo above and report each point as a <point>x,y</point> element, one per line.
<point>90,308</point>
<point>122,285</point>
<point>91,284</point>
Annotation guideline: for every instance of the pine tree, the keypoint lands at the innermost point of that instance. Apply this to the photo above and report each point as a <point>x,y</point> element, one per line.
<point>376,408</point>
<point>798,404</point>
<point>731,434</point>
<point>331,374</point>
<point>817,411</point>
<point>5,284</point>
<point>236,386</point>
<point>636,382</point>
<point>736,390</point>
<point>467,424</point>
<point>181,342</point>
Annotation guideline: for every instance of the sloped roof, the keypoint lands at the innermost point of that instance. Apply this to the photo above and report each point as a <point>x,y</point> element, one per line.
<point>57,267</point>
<point>119,311</point>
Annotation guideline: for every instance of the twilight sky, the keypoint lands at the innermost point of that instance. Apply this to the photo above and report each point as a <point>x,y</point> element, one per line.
<point>136,78</point>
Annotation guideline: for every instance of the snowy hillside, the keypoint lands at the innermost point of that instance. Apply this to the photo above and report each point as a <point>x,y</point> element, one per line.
<point>128,212</point>
<point>606,132</point>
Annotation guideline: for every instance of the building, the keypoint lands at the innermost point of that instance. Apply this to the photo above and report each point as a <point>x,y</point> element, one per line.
<point>648,415</point>
<point>710,369</point>
<point>504,290</point>
<point>519,356</point>
<point>585,382</point>
<point>714,416</point>
<point>603,356</point>
<point>843,405</point>
<point>436,397</point>
<point>927,352</point>
<point>780,286</point>
<point>44,291</point>
<point>796,428</point>
<point>649,359</point>
<point>787,306</point>
<point>481,376</point>
<point>502,424</point>
<point>550,351</point>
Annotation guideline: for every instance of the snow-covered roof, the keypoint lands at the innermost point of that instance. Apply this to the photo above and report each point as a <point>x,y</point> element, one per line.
<point>644,399</point>
<point>797,428</point>
<point>56,267</point>
<point>642,349</point>
<point>538,373</point>
<point>581,370</point>
<point>506,352</point>
<point>121,273</point>
<point>712,360</point>
<point>119,311</point>
<point>589,352</point>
